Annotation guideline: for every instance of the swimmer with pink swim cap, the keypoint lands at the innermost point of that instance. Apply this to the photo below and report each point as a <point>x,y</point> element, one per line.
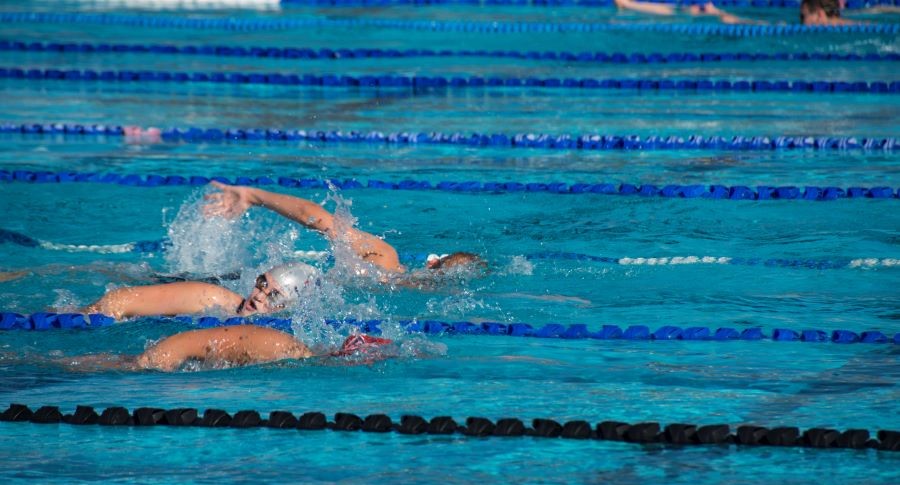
<point>136,134</point>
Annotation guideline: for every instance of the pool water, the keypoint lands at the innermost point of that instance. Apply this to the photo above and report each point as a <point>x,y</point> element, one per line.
<point>705,382</point>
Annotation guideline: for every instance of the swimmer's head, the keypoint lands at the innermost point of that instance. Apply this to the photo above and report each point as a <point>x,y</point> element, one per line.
<point>461,259</point>
<point>281,286</point>
<point>819,12</point>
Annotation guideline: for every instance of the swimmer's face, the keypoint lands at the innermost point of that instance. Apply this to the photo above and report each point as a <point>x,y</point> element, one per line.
<point>812,16</point>
<point>266,297</point>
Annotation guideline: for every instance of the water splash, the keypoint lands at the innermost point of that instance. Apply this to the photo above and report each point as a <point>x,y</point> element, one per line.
<point>518,265</point>
<point>205,245</point>
<point>259,240</point>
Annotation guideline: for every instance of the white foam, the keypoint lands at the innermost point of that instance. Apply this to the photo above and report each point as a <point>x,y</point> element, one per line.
<point>89,248</point>
<point>206,245</point>
<point>519,265</point>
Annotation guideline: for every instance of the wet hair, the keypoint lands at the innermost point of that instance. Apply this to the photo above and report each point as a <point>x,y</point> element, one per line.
<point>461,258</point>
<point>832,8</point>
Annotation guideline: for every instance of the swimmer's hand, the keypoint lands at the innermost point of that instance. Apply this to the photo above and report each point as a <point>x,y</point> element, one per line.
<point>230,203</point>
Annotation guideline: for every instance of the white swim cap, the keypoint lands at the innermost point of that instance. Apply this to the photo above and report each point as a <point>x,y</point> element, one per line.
<point>296,279</point>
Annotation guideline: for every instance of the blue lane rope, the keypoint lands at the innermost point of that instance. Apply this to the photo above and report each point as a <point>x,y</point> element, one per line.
<point>442,82</point>
<point>161,245</point>
<point>249,25</point>
<point>737,192</point>
<point>293,53</point>
<point>579,331</point>
<point>346,423</point>
<point>477,140</point>
<point>851,4</point>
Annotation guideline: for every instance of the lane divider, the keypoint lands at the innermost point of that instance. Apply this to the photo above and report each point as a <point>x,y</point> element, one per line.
<point>641,433</point>
<point>721,260</point>
<point>444,83</point>
<point>850,4</point>
<point>293,53</point>
<point>7,236</point>
<point>476,140</point>
<point>42,321</point>
<point>480,27</point>
<point>737,192</point>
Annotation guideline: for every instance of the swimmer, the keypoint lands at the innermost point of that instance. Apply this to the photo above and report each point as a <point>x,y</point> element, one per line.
<point>232,346</point>
<point>707,9</point>
<point>822,12</point>
<point>233,201</point>
<point>274,291</point>
<point>136,134</point>
<point>11,275</point>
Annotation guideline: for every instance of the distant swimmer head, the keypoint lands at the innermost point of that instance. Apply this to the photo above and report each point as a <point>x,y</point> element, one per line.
<point>281,286</point>
<point>820,12</point>
<point>459,259</point>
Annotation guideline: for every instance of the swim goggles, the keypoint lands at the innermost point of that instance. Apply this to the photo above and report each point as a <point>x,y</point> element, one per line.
<point>275,298</point>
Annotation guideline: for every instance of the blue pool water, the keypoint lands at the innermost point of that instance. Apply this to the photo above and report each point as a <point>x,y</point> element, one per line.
<point>706,382</point>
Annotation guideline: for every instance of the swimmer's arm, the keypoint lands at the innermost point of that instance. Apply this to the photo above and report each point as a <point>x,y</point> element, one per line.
<point>710,9</point>
<point>235,200</point>
<point>241,344</point>
<point>169,354</point>
<point>645,7</point>
<point>184,297</point>
<point>873,10</point>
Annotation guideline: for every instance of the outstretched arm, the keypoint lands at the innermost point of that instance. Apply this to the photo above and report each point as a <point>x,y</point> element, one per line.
<point>710,9</point>
<point>179,298</point>
<point>233,201</point>
<point>646,7</point>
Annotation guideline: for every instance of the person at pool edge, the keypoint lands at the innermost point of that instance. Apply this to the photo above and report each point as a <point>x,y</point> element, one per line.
<point>235,345</point>
<point>233,200</point>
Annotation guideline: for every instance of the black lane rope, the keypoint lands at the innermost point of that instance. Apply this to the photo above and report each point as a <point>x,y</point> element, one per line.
<point>642,433</point>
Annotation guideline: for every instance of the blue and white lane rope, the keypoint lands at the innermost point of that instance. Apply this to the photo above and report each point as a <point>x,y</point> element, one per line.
<point>162,245</point>
<point>850,4</point>
<point>51,321</point>
<point>445,83</point>
<point>481,27</point>
<point>588,142</point>
<point>737,192</point>
<point>294,53</point>
<point>840,263</point>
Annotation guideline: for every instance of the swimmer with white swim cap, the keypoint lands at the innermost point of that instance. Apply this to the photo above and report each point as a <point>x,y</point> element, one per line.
<point>274,291</point>
<point>286,284</point>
